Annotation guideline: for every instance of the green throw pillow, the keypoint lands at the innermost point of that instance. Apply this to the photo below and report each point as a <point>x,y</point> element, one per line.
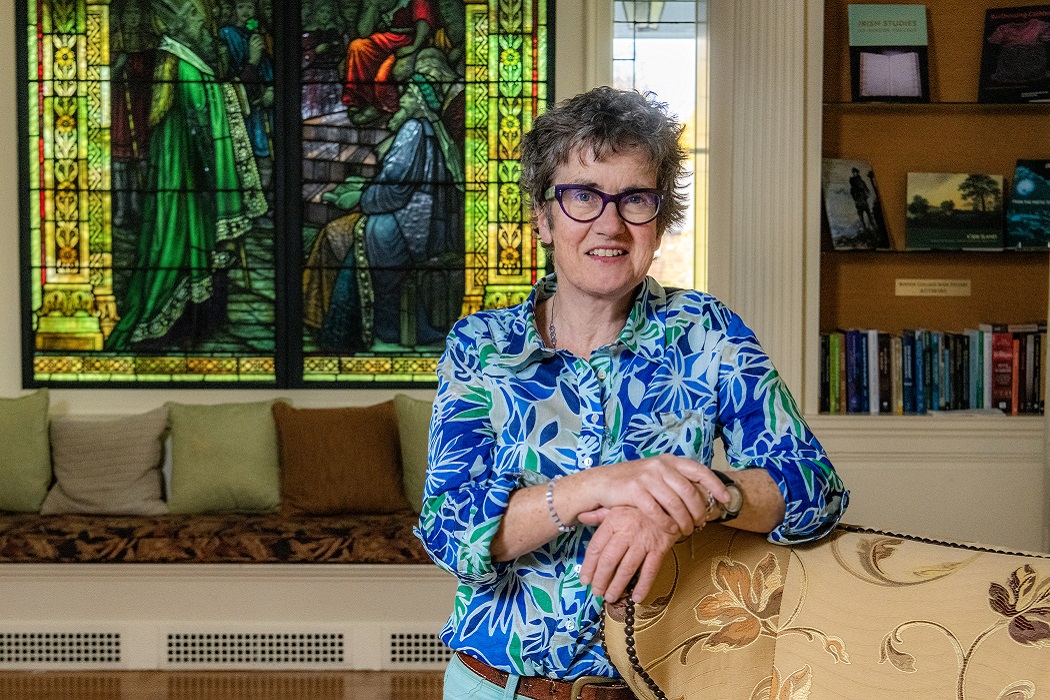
<point>25,460</point>
<point>413,428</point>
<point>223,458</point>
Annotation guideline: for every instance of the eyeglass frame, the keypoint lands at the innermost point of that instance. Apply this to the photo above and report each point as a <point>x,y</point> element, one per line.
<point>555,192</point>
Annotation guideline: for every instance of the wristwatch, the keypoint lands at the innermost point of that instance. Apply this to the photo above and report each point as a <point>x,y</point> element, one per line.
<point>736,498</point>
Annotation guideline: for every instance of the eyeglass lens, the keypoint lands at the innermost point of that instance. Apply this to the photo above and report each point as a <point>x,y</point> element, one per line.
<point>586,204</point>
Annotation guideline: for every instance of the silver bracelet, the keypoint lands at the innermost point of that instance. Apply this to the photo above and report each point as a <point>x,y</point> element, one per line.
<point>562,527</point>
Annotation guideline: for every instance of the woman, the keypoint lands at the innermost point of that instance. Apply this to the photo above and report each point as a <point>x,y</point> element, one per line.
<point>571,433</point>
<point>203,190</point>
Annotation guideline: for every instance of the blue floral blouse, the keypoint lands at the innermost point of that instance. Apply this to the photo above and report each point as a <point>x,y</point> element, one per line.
<point>511,412</point>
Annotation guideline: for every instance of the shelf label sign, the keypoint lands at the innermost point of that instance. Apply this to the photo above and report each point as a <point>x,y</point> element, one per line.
<point>932,288</point>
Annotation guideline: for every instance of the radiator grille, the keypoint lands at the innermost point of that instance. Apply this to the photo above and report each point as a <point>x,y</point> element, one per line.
<point>255,648</point>
<point>59,647</point>
<point>418,648</point>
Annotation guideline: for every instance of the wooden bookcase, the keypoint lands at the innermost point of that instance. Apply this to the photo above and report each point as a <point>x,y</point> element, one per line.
<point>953,133</point>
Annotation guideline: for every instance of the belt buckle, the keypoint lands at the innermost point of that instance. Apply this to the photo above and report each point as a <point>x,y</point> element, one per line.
<point>576,691</point>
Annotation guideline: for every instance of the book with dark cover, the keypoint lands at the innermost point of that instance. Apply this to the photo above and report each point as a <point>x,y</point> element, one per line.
<point>936,369</point>
<point>884,373</point>
<point>954,211</point>
<point>851,205</point>
<point>889,59</point>
<point>908,370</point>
<point>857,399</point>
<point>1015,65</point>
<point>825,374</point>
<point>1028,211</point>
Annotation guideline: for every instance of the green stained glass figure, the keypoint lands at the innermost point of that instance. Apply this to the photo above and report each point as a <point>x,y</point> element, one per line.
<point>202,195</point>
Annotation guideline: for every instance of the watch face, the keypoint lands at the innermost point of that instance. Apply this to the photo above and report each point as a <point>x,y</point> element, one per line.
<point>736,500</point>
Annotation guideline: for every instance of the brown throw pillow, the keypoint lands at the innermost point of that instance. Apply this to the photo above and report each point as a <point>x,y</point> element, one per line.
<point>340,460</point>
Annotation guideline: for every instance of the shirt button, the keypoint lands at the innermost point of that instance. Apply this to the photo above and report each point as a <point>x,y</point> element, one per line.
<point>601,374</point>
<point>571,625</point>
<point>587,461</point>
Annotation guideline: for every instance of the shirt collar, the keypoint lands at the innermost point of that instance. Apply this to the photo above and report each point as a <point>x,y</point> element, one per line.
<point>643,334</point>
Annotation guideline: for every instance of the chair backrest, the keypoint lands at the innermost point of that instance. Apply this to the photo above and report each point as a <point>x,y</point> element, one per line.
<point>860,614</point>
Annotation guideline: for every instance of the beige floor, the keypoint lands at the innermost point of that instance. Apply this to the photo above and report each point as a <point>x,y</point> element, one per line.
<point>221,685</point>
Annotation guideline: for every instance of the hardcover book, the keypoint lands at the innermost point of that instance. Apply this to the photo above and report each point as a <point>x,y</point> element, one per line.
<point>1014,56</point>
<point>1028,212</point>
<point>954,211</point>
<point>851,205</point>
<point>889,53</point>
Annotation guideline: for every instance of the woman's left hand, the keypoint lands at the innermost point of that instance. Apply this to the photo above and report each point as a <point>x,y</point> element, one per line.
<point>626,542</point>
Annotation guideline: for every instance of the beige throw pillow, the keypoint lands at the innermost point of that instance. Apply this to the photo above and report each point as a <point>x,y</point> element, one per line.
<point>109,466</point>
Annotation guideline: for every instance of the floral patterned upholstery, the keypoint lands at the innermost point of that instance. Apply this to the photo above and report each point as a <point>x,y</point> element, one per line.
<point>861,614</point>
<point>228,538</point>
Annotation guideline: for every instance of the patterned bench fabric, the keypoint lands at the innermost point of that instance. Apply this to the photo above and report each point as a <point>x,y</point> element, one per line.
<point>226,538</point>
<point>860,614</point>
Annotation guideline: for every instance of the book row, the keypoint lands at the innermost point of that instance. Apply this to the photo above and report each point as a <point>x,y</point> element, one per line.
<point>945,211</point>
<point>889,54</point>
<point>995,368</point>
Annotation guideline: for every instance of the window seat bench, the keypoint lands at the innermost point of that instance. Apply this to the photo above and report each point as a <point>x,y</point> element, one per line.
<point>219,592</point>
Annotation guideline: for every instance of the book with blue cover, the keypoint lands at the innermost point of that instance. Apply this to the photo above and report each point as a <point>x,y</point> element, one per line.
<point>1028,212</point>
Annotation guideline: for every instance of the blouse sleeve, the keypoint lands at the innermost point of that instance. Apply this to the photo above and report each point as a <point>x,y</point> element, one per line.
<point>762,427</point>
<point>464,499</point>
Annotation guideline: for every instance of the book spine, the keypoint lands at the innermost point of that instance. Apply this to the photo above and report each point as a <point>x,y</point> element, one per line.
<point>896,375</point>
<point>885,374</point>
<point>874,384</point>
<point>842,375</point>
<point>963,371</point>
<point>825,370</point>
<point>986,366</point>
<point>936,367</point>
<point>834,341</point>
<point>1037,362</point>
<point>864,402</point>
<point>1002,369</point>
<point>921,350</point>
<point>853,393</point>
<point>973,347</point>
<point>1031,400</point>
<point>1015,399</point>
<point>908,371</point>
<point>928,373</point>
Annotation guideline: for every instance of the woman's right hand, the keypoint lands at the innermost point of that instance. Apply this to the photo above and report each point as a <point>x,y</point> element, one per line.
<point>626,545</point>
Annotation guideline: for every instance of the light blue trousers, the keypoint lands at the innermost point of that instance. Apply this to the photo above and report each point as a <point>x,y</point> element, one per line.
<point>461,683</point>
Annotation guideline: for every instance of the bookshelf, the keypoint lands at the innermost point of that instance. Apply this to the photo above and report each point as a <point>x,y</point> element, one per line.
<point>978,478</point>
<point>952,133</point>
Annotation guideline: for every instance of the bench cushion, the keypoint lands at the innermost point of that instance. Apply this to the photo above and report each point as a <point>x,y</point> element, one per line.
<point>221,538</point>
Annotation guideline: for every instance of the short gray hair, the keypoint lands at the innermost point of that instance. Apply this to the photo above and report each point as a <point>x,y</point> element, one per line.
<point>605,120</point>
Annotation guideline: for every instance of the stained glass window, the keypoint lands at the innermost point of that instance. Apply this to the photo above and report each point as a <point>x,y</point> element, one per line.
<point>240,191</point>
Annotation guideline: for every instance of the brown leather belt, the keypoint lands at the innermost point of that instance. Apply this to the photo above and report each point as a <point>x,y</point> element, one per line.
<point>541,688</point>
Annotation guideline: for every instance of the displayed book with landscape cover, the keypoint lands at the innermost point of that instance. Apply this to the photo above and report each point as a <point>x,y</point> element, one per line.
<point>851,205</point>
<point>1015,55</point>
<point>1028,212</point>
<point>889,59</point>
<point>954,211</point>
